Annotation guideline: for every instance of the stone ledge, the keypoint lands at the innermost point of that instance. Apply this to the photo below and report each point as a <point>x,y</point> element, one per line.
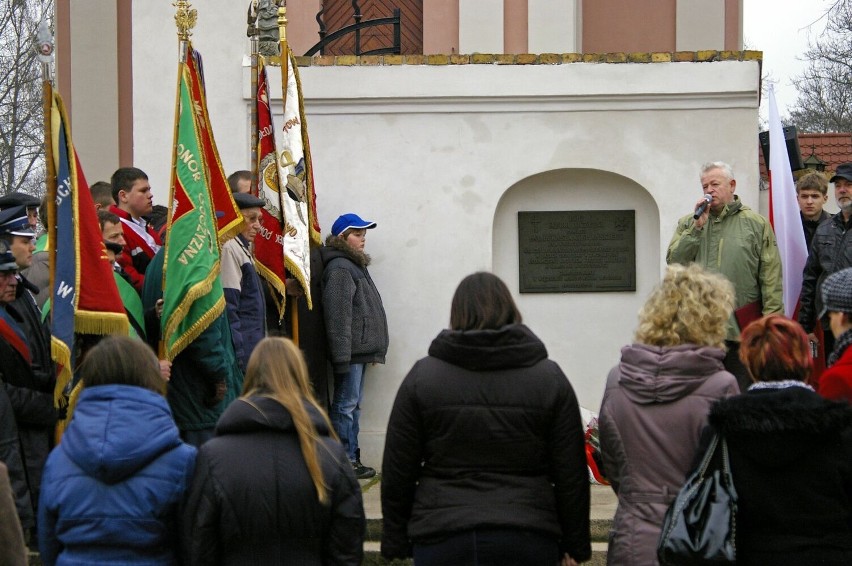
<point>707,56</point>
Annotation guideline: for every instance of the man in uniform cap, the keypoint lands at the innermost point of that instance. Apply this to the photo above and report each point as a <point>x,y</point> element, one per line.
<point>30,395</point>
<point>22,199</point>
<point>831,251</point>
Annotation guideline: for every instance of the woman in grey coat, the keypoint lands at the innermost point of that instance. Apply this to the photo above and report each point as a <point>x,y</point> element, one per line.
<point>656,403</point>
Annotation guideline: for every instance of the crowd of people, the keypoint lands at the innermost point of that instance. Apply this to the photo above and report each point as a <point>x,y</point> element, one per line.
<point>237,451</point>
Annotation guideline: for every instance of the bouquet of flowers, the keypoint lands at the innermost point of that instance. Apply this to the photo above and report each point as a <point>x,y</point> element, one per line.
<point>593,453</point>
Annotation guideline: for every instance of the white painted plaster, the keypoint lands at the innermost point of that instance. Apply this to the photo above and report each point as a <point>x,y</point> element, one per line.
<point>553,26</point>
<point>480,26</point>
<point>442,157</point>
<point>700,25</point>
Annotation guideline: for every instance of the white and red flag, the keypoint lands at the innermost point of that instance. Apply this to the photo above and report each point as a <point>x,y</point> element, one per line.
<point>784,211</point>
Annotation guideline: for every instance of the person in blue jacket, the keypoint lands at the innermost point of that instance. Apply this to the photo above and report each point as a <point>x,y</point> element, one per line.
<point>111,489</point>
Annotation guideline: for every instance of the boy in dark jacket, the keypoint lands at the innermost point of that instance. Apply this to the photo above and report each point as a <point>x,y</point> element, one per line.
<point>356,327</point>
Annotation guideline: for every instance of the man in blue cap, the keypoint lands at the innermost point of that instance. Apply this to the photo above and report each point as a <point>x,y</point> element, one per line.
<point>356,327</point>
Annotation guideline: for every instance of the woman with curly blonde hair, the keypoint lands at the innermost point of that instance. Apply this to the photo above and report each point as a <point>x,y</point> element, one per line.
<point>274,486</point>
<point>656,403</point>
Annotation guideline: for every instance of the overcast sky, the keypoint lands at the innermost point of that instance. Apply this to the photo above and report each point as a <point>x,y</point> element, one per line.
<point>781,29</point>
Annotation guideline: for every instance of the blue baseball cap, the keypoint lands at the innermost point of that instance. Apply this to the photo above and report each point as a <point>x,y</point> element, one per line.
<point>350,220</point>
<point>14,221</point>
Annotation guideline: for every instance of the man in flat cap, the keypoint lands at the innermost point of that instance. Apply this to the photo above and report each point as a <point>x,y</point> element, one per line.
<point>831,251</point>
<point>836,381</point>
<point>243,292</point>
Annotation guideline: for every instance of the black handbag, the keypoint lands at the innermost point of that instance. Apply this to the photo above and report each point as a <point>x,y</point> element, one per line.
<point>700,524</point>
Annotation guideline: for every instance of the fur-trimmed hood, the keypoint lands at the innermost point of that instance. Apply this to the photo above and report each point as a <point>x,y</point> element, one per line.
<point>789,410</point>
<point>336,246</point>
<point>778,428</point>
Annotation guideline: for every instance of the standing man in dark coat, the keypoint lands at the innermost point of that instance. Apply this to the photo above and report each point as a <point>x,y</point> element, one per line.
<point>205,376</point>
<point>31,401</point>
<point>812,194</point>
<point>18,234</point>
<point>830,251</point>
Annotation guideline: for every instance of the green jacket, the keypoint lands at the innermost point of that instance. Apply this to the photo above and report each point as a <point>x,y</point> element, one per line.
<point>739,244</point>
<point>209,359</point>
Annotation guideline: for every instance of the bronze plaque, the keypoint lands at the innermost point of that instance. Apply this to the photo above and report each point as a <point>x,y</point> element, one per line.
<point>583,251</point>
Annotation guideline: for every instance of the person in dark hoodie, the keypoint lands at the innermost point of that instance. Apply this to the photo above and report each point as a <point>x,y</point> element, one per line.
<point>484,458</point>
<point>112,487</point>
<point>790,453</point>
<point>356,327</point>
<point>274,486</point>
<point>656,402</point>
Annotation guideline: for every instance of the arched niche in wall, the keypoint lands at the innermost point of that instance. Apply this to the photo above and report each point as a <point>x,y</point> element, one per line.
<point>583,331</point>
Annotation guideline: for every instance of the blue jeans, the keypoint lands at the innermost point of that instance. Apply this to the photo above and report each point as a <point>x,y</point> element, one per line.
<point>346,407</point>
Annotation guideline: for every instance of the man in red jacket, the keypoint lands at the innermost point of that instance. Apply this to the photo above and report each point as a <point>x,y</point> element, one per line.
<point>836,381</point>
<point>131,192</point>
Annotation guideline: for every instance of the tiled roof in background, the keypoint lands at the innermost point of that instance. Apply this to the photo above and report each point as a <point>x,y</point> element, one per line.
<point>832,148</point>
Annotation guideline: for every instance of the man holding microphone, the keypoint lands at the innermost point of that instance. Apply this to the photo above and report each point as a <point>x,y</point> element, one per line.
<point>727,237</point>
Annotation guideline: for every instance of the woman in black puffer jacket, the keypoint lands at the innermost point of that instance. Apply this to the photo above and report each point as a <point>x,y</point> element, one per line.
<point>484,458</point>
<point>790,453</point>
<point>274,486</point>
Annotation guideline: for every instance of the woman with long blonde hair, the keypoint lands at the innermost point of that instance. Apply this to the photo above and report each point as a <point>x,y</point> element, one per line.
<point>274,486</point>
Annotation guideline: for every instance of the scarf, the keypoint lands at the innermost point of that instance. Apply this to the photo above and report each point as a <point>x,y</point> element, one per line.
<point>840,347</point>
<point>784,384</point>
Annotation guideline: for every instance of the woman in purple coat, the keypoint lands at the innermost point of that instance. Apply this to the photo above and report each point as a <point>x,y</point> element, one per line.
<point>656,403</point>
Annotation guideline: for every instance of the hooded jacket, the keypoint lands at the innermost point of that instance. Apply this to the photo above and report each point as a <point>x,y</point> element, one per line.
<point>252,499</point>
<point>486,433</point>
<point>654,408</point>
<point>112,487</point>
<point>740,244</point>
<point>791,461</point>
<point>355,320</point>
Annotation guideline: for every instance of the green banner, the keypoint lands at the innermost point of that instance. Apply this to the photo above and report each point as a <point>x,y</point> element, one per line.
<point>192,290</point>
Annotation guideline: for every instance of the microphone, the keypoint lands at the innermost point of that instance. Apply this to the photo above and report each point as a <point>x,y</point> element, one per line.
<point>702,207</point>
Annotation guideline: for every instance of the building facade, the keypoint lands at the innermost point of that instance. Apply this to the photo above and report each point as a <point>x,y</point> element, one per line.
<point>506,111</point>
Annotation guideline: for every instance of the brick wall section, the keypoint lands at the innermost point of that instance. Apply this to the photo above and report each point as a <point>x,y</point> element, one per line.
<point>528,58</point>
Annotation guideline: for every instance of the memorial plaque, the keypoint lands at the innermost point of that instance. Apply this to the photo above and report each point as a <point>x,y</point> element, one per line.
<point>583,251</point>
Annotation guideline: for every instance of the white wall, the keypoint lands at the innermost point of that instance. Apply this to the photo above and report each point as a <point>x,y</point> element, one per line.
<point>554,26</point>
<point>442,157</point>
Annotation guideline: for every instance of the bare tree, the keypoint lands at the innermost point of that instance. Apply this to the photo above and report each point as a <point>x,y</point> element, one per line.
<point>825,88</point>
<point>21,115</point>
